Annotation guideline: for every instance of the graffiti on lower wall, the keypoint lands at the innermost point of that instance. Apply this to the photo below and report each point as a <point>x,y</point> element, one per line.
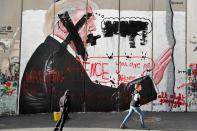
<point>9,72</point>
<point>192,87</point>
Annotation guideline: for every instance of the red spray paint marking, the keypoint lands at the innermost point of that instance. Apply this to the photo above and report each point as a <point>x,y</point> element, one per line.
<point>184,85</point>
<point>193,66</point>
<point>98,68</point>
<point>130,57</point>
<point>178,99</point>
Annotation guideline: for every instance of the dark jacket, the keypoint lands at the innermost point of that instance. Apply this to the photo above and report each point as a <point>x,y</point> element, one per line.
<point>135,100</point>
<point>64,103</point>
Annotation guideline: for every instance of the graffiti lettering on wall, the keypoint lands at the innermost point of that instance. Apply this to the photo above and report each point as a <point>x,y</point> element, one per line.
<point>5,30</point>
<point>94,69</point>
<point>36,76</point>
<point>179,99</point>
<point>192,87</point>
<point>182,72</point>
<point>141,64</point>
<point>101,70</point>
<point>183,85</point>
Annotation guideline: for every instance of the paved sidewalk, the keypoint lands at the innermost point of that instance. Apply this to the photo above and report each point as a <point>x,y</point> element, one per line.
<point>95,121</point>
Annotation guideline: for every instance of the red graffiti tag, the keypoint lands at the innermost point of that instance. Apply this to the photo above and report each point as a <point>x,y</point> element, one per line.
<point>97,69</point>
<point>177,102</point>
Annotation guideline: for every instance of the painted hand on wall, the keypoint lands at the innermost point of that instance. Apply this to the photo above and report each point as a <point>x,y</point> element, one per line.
<point>160,66</point>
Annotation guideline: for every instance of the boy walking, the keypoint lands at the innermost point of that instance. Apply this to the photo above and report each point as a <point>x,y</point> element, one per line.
<point>134,106</point>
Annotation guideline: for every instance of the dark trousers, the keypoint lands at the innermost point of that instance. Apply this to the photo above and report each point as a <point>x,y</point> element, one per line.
<point>63,118</point>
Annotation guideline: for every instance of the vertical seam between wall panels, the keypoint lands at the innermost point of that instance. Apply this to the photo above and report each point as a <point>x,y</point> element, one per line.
<point>186,56</point>
<point>118,50</point>
<point>18,90</point>
<point>53,15</point>
<point>152,47</point>
<point>51,87</point>
<point>84,85</point>
<point>118,37</point>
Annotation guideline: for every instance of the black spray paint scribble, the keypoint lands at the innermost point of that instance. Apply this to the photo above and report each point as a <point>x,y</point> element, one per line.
<point>194,42</point>
<point>97,82</point>
<point>110,56</point>
<point>73,32</point>
<point>128,56</point>
<point>129,26</point>
<point>113,84</point>
<point>74,35</point>
<point>144,55</point>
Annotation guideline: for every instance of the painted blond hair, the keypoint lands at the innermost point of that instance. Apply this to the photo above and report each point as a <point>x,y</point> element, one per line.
<point>51,17</point>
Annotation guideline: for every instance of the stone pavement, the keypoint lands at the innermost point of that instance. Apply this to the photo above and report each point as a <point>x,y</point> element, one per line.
<point>102,121</point>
